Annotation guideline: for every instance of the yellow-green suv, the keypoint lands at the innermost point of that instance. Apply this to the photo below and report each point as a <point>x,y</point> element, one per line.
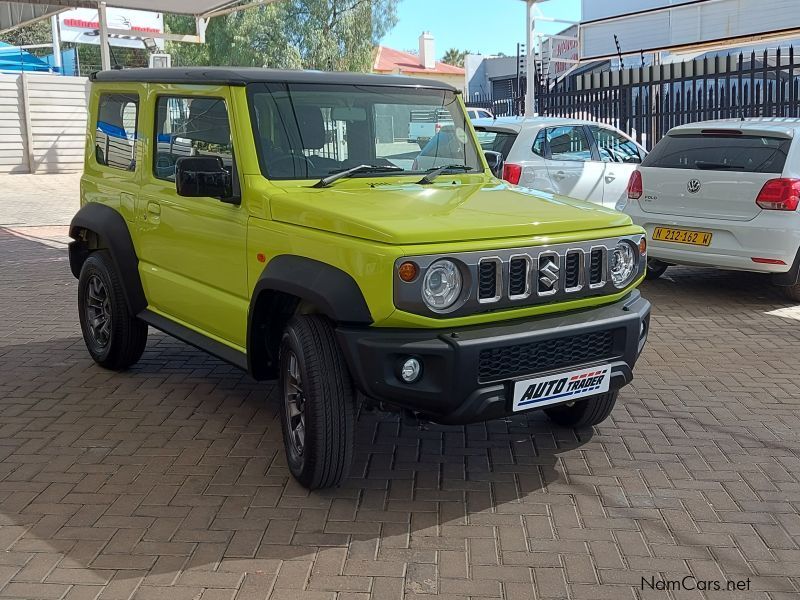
<point>279,221</point>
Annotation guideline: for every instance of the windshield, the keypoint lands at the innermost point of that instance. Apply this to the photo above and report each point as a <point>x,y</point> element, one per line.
<point>308,131</point>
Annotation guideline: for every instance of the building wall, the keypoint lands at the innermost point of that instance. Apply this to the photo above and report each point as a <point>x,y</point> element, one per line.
<point>42,123</point>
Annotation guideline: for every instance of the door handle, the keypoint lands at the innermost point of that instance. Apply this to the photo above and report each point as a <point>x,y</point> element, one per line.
<point>153,212</point>
<point>559,175</point>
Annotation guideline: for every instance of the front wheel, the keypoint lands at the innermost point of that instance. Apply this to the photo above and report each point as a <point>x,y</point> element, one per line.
<point>655,268</point>
<point>317,411</point>
<point>584,413</point>
<point>114,337</point>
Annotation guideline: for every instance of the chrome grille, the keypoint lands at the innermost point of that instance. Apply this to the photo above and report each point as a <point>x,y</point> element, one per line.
<point>597,267</point>
<point>518,282</point>
<point>489,279</point>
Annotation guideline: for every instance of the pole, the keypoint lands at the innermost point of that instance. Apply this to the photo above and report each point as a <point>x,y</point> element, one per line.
<point>56,44</point>
<point>105,56</point>
<point>530,24</point>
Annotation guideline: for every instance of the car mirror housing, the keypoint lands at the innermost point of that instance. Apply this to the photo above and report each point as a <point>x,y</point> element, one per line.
<point>496,162</point>
<point>204,177</point>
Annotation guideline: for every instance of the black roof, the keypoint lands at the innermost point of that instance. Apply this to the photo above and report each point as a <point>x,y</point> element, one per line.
<point>245,75</point>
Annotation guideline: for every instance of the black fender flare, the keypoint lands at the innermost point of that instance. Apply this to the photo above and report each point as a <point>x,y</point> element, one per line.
<point>112,234</point>
<point>332,291</point>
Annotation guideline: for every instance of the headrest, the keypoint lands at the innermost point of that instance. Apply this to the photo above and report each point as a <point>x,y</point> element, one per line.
<point>310,126</point>
<point>208,121</point>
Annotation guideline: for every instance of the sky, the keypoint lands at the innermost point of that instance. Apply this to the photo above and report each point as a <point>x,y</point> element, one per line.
<point>481,26</point>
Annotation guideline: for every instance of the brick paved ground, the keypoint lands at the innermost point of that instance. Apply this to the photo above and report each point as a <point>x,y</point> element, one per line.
<point>168,482</point>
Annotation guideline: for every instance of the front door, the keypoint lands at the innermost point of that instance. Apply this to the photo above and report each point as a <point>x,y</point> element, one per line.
<point>192,250</point>
<point>571,166</point>
<point>620,155</point>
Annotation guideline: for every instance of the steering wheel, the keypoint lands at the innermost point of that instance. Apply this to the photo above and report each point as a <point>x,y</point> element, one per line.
<point>294,158</point>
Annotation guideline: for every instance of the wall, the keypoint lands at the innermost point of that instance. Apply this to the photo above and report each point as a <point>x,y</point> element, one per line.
<point>42,123</point>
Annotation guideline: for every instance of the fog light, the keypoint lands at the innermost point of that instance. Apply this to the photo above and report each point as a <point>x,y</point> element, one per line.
<point>411,370</point>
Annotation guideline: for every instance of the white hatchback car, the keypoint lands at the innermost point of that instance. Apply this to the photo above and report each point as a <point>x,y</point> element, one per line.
<point>723,194</point>
<point>575,158</point>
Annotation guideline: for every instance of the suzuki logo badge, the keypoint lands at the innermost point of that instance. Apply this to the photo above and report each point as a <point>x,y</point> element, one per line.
<point>693,186</point>
<point>548,274</point>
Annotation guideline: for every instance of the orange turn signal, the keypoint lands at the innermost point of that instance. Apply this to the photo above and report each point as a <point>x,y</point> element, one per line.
<point>408,271</point>
<point>643,246</point>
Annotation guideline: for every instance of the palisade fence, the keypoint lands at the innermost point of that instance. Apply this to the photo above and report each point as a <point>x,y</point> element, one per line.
<point>645,102</point>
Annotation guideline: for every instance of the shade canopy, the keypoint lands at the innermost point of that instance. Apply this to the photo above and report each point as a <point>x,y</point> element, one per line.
<point>15,14</point>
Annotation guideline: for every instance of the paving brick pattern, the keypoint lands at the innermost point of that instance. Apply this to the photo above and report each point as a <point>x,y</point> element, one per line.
<point>169,482</point>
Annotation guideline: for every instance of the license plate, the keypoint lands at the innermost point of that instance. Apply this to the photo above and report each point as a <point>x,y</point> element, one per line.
<point>682,236</point>
<point>561,387</point>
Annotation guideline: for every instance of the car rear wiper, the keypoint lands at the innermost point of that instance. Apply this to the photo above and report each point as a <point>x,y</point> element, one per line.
<point>326,181</point>
<point>434,173</point>
<point>716,166</point>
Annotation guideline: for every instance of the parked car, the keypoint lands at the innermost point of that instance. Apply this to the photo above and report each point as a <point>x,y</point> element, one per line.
<point>426,123</point>
<point>479,113</point>
<point>723,194</point>
<point>321,263</point>
<point>580,159</point>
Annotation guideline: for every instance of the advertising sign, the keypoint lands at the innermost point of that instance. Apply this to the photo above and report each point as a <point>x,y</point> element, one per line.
<point>82,26</point>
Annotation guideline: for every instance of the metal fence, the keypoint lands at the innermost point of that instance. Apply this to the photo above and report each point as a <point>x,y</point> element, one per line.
<point>648,101</point>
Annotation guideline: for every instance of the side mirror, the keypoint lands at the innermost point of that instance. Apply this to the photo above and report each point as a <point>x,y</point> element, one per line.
<point>204,177</point>
<point>496,162</point>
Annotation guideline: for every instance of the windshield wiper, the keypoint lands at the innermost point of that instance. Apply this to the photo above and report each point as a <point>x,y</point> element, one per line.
<point>434,173</point>
<point>326,181</point>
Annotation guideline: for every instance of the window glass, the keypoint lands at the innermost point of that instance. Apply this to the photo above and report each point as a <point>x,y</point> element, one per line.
<point>190,126</point>
<point>310,131</point>
<point>614,147</point>
<point>569,143</point>
<point>496,141</point>
<point>115,134</point>
<point>538,143</point>
<point>745,153</point>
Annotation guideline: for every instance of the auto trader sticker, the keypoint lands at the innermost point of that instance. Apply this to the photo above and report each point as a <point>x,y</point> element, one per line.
<point>561,387</point>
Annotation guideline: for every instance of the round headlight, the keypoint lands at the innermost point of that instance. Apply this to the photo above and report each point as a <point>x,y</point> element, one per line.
<point>623,264</point>
<point>442,285</point>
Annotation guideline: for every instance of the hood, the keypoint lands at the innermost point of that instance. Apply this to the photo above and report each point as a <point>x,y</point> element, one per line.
<point>451,212</point>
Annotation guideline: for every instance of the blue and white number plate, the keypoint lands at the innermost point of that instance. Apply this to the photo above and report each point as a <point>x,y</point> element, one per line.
<point>561,387</point>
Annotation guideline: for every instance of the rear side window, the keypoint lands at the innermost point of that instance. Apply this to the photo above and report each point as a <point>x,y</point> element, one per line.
<point>569,143</point>
<point>496,141</point>
<point>190,126</point>
<point>538,144</point>
<point>614,147</point>
<point>115,132</point>
<point>742,153</point>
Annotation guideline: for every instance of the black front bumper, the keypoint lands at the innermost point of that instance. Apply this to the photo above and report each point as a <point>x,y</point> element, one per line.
<point>468,372</point>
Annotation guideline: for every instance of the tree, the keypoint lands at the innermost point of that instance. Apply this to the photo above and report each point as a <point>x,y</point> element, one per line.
<point>455,57</point>
<point>334,35</point>
<point>37,32</point>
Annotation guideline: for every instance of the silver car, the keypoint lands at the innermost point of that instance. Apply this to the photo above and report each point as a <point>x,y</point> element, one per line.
<point>575,158</point>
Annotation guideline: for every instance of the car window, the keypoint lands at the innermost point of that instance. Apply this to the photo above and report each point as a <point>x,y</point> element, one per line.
<point>472,114</point>
<point>539,144</point>
<point>743,153</point>
<point>496,141</point>
<point>115,132</point>
<point>615,147</point>
<point>190,126</point>
<point>569,143</point>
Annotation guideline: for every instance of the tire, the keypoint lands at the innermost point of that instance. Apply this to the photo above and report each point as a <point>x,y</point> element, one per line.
<point>584,413</point>
<point>791,292</point>
<point>118,339</point>
<point>317,396</point>
<point>655,268</point>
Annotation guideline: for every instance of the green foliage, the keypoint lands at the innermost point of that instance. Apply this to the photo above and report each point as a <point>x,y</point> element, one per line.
<point>35,33</point>
<point>455,57</point>
<point>334,35</point>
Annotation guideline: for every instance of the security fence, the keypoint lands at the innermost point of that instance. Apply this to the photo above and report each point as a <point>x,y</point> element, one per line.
<point>647,101</point>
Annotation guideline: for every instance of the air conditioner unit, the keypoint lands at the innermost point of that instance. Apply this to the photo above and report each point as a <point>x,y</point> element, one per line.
<point>160,61</point>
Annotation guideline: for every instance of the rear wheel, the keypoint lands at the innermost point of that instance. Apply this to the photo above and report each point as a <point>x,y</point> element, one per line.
<point>792,292</point>
<point>317,412</point>
<point>114,337</point>
<point>655,268</point>
<point>584,413</point>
